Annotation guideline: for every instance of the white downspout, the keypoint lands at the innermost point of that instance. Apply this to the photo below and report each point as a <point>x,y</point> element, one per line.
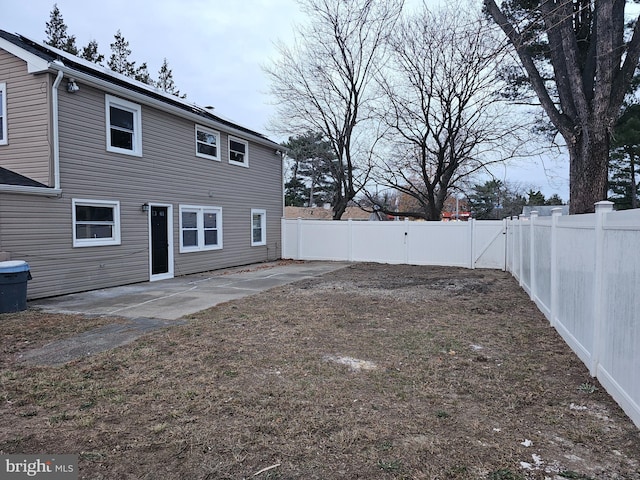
<point>56,133</point>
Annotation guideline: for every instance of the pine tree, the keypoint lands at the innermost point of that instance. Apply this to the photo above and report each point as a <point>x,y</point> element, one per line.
<point>90,53</point>
<point>57,35</point>
<point>119,59</point>
<point>165,80</point>
<point>142,74</point>
<point>625,156</point>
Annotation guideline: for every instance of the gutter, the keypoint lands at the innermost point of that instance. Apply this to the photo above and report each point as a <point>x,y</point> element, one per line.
<point>56,131</point>
<point>22,189</point>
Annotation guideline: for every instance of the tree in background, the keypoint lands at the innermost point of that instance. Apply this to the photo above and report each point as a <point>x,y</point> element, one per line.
<point>90,53</point>
<point>311,171</point>
<point>119,59</point>
<point>323,83</point>
<point>495,200</point>
<point>56,32</point>
<point>444,120</point>
<point>580,64</point>
<point>535,198</point>
<point>142,74</point>
<point>625,151</point>
<point>165,80</point>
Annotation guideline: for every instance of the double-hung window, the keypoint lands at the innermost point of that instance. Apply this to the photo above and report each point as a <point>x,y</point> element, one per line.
<point>3,114</point>
<point>207,143</point>
<point>200,228</point>
<point>95,222</point>
<point>238,152</point>
<point>258,227</point>
<point>124,126</point>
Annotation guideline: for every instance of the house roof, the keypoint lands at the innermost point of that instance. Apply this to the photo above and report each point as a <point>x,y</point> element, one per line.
<point>59,60</point>
<point>321,213</point>
<point>8,177</point>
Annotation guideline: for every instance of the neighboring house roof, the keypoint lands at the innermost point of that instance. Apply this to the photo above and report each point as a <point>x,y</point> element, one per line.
<point>7,177</point>
<point>320,213</point>
<point>59,60</point>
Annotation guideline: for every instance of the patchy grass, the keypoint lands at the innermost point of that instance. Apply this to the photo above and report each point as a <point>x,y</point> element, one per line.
<point>373,371</point>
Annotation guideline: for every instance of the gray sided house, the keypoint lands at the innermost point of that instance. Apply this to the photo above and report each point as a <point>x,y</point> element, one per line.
<point>105,181</point>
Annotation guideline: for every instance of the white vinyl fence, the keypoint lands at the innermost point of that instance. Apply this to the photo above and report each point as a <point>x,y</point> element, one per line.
<point>583,272</point>
<point>458,244</point>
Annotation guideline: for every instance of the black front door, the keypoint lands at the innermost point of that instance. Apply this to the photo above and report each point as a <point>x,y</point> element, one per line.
<point>159,241</point>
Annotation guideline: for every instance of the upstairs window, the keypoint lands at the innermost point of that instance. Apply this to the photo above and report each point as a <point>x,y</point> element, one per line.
<point>95,223</point>
<point>200,228</point>
<point>258,227</point>
<point>207,143</point>
<point>124,126</point>
<point>3,114</point>
<point>238,152</point>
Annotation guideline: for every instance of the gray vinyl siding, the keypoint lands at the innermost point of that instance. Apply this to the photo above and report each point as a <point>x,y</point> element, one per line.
<point>29,151</point>
<point>40,230</point>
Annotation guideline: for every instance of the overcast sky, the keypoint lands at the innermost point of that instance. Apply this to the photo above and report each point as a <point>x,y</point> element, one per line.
<point>215,49</point>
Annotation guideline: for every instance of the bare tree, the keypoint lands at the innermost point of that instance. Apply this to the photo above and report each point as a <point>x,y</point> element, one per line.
<point>323,83</point>
<point>593,64</point>
<point>445,119</point>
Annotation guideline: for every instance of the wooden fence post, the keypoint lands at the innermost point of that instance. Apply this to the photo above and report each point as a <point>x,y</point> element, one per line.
<point>602,208</point>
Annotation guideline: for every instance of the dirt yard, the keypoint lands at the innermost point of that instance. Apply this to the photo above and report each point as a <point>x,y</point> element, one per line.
<point>369,372</point>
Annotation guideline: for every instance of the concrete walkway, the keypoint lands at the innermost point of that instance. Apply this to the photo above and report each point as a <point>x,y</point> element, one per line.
<point>153,305</point>
<point>174,298</point>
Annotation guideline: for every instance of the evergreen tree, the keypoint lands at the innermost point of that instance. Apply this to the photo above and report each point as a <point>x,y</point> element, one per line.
<point>625,152</point>
<point>142,74</point>
<point>535,198</point>
<point>119,60</point>
<point>296,193</point>
<point>495,200</point>
<point>314,163</point>
<point>90,53</point>
<point>165,80</point>
<point>554,200</point>
<point>56,32</point>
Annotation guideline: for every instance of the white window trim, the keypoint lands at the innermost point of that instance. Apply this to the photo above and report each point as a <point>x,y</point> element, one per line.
<point>136,109</point>
<point>200,209</point>
<point>211,132</point>
<point>3,113</point>
<point>246,151</point>
<point>96,242</point>
<point>263,226</point>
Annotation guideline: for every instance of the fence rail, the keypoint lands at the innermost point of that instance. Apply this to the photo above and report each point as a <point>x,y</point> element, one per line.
<point>458,244</point>
<point>582,271</point>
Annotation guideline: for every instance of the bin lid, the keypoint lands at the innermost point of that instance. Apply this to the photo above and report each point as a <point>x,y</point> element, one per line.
<point>14,266</point>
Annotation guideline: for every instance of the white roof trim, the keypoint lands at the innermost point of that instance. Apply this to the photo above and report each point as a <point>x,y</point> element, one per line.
<point>58,65</point>
<point>35,64</point>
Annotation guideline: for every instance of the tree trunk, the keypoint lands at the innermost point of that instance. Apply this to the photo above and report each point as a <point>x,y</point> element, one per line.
<point>588,169</point>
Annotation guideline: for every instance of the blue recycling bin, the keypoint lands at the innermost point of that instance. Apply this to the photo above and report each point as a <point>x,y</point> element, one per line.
<point>13,285</point>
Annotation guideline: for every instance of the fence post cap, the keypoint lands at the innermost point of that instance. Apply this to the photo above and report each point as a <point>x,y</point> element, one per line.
<point>556,211</point>
<point>534,213</point>
<point>604,206</point>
